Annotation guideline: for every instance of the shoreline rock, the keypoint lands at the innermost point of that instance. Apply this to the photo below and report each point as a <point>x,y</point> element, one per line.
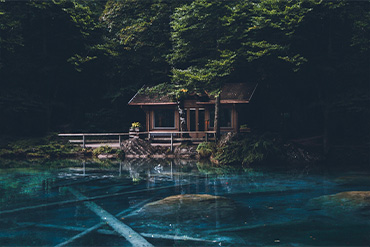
<point>343,202</point>
<point>189,206</point>
<point>138,148</point>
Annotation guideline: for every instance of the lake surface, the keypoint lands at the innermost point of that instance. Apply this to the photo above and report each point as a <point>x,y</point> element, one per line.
<point>51,203</point>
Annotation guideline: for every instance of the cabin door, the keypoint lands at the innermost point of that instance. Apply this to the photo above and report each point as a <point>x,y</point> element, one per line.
<point>201,119</point>
<point>196,121</point>
<point>192,120</point>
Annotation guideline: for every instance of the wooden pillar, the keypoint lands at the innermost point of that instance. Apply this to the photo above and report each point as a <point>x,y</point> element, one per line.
<point>188,118</point>
<point>119,140</point>
<point>147,120</point>
<point>83,141</point>
<point>197,119</point>
<point>206,118</point>
<point>217,116</point>
<point>171,141</point>
<point>235,118</point>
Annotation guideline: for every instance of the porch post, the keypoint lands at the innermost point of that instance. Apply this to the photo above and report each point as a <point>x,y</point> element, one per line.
<point>171,141</point>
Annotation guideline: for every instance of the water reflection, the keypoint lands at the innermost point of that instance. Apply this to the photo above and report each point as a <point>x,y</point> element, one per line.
<point>170,201</point>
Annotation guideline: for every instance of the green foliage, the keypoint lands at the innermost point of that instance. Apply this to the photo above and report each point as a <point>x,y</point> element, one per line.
<point>206,149</point>
<point>135,125</point>
<point>47,147</point>
<point>248,150</point>
<point>211,169</point>
<point>310,58</point>
<point>103,150</point>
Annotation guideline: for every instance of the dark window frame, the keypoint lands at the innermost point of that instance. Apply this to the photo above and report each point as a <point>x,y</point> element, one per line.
<point>211,119</point>
<point>165,127</point>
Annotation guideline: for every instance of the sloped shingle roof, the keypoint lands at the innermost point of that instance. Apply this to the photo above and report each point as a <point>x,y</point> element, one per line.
<point>231,93</point>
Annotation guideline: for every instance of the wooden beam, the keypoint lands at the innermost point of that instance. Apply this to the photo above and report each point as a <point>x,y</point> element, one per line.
<point>97,226</point>
<point>110,232</point>
<point>124,230</point>
<point>57,204</point>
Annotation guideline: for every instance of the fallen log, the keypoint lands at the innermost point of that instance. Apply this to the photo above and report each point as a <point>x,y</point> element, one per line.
<point>113,233</point>
<point>85,232</point>
<point>127,232</point>
<point>250,227</point>
<point>54,204</point>
<point>97,226</point>
<point>174,237</point>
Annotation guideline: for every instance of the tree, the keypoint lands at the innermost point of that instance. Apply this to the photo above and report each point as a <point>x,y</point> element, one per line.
<point>218,41</point>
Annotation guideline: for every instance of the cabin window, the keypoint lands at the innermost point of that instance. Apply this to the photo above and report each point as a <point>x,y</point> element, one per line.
<point>225,118</point>
<point>164,118</point>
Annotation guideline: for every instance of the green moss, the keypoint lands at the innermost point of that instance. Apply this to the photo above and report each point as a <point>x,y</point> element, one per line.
<point>206,149</point>
<point>212,169</point>
<point>244,150</point>
<point>103,150</point>
<point>248,150</point>
<point>47,147</point>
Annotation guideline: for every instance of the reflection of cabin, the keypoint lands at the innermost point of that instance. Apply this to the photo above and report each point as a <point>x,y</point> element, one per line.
<point>162,114</point>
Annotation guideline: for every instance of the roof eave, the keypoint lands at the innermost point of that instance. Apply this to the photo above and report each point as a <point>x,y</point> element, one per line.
<point>152,103</point>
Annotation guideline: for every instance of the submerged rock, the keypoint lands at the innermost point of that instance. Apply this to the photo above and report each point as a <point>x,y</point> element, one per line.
<point>361,179</point>
<point>349,201</point>
<point>190,206</point>
<point>186,151</point>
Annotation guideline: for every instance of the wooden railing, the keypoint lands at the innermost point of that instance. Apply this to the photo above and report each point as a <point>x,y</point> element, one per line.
<point>152,136</point>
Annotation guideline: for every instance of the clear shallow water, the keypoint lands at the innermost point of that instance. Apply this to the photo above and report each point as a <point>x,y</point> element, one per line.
<point>268,207</point>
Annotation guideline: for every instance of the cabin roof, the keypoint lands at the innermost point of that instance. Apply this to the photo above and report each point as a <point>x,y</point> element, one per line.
<point>231,93</point>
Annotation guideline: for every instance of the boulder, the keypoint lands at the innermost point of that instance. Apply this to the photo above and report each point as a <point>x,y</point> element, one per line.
<point>136,147</point>
<point>107,156</point>
<point>186,151</point>
<point>358,179</point>
<point>350,201</point>
<point>190,206</point>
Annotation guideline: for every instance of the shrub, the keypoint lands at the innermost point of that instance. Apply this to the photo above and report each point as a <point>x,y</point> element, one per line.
<point>206,149</point>
<point>248,150</point>
<point>103,150</point>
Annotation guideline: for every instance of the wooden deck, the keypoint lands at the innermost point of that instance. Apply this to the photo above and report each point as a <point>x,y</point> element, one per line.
<point>162,138</point>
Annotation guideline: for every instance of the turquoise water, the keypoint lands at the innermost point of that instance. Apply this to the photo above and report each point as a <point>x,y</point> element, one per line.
<point>257,207</point>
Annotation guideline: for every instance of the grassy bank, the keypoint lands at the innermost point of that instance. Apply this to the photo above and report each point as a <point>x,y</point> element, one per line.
<point>47,147</point>
<point>245,149</point>
<point>252,150</point>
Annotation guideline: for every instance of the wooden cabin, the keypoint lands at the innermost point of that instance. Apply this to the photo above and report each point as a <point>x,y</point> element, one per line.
<point>162,114</point>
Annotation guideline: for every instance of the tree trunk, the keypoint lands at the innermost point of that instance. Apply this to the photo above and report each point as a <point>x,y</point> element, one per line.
<point>217,114</point>
<point>182,114</point>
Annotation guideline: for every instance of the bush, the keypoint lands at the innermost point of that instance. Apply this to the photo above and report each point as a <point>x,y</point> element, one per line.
<point>103,150</point>
<point>206,149</point>
<point>248,150</point>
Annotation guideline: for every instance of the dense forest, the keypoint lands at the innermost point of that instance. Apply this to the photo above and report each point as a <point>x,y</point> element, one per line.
<point>74,65</point>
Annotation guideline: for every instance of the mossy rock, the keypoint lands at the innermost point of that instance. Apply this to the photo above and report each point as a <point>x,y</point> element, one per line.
<point>344,202</point>
<point>206,149</point>
<point>189,206</point>
<point>363,179</point>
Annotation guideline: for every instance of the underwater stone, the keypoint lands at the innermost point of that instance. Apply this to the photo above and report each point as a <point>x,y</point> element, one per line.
<point>186,151</point>
<point>190,206</point>
<point>362,179</point>
<point>344,201</point>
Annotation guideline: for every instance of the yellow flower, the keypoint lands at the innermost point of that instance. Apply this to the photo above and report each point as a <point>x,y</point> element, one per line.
<point>184,90</point>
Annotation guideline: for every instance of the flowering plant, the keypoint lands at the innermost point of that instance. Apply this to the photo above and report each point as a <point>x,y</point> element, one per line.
<point>135,125</point>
